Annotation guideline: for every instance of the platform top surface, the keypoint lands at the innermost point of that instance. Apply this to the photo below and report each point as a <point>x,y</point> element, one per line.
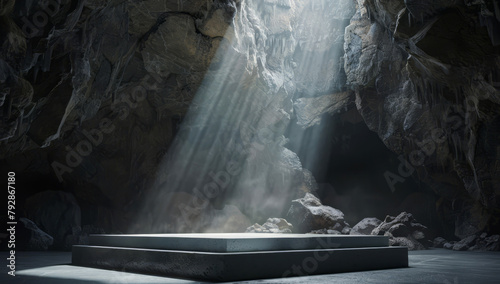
<point>234,242</point>
<point>228,236</point>
<point>237,236</point>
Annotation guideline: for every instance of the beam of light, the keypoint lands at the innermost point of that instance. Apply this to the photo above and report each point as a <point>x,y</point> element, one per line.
<point>230,154</point>
<point>62,274</point>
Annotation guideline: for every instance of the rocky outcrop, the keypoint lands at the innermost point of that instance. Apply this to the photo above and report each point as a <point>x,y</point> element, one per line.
<point>403,230</point>
<point>431,102</point>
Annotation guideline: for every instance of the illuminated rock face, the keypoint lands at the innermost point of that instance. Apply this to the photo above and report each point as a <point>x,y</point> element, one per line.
<point>95,109</point>
<point>115,79</point>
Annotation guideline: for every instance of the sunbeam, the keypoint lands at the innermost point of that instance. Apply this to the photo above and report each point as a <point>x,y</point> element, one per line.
<point>229,165</point>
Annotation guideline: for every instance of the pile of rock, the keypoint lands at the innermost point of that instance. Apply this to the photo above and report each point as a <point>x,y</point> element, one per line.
<point>308,215</point>
<point>404,230</point>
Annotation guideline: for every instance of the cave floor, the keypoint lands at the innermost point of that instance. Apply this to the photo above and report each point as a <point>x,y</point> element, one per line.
<point>430,266</point>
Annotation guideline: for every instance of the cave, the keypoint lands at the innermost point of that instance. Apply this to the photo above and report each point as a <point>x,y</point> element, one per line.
<point>262,127</point>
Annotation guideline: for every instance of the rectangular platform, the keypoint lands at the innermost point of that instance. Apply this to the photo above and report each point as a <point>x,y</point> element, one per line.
<point>208,266</point>
<point>235,257</point>
<point>244,242</point>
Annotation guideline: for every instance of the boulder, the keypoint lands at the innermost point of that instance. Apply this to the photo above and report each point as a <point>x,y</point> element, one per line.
<point>365,226</point>
<point>308,214</point>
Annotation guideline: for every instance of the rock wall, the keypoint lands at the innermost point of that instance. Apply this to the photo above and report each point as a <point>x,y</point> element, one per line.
<point>93,92</point>
<point>231,148</point>
<point>426,79</point>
